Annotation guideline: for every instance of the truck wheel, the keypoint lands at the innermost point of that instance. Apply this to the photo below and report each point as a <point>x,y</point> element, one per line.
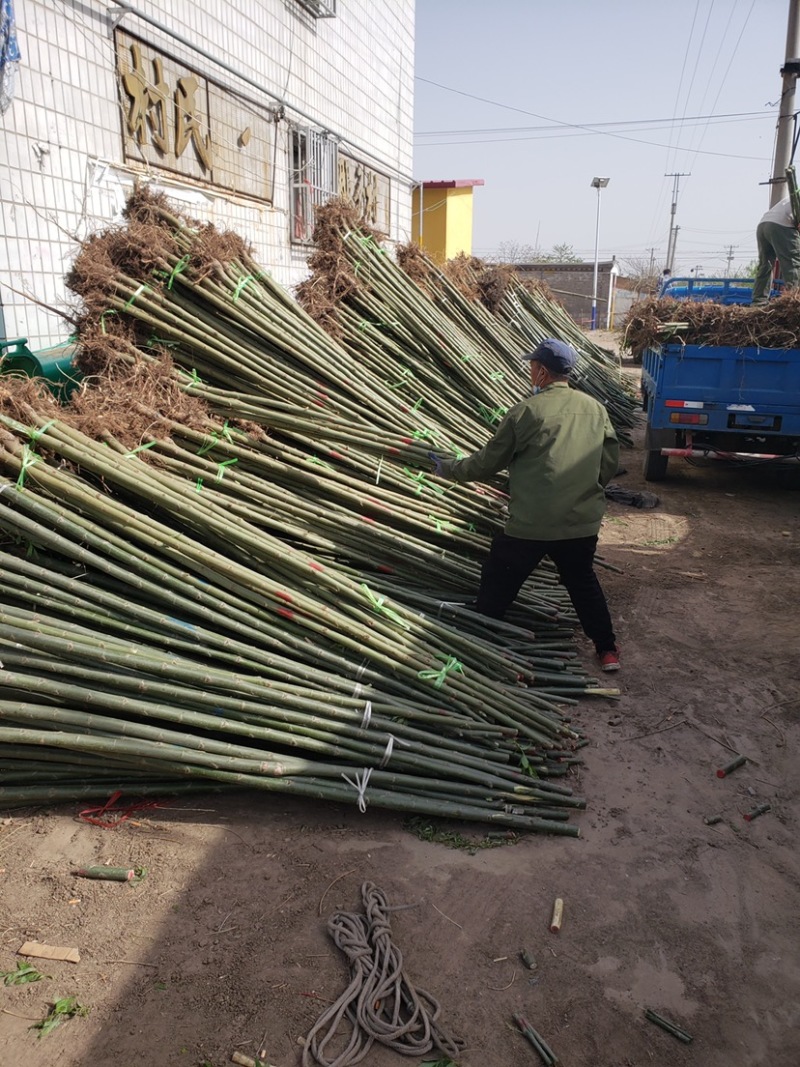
<point>655,466</point>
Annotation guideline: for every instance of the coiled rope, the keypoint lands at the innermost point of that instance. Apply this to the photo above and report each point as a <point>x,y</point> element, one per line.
<point>380,1003</point>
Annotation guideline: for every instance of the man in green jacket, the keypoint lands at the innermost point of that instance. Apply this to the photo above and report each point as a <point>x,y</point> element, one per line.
<point>561,451</point>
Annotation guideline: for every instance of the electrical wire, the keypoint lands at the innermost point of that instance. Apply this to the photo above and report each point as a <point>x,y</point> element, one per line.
<point>565,125</point>
<point>593,125</point>
<point>730,64</point>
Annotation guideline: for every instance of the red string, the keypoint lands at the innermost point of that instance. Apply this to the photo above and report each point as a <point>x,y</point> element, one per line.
<point>109,816</point>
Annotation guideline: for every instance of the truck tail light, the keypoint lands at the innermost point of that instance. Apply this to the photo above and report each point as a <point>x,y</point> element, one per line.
<point>686,419</point>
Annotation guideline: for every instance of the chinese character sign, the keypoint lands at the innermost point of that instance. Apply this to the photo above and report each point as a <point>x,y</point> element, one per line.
<point>177,120</point>
<point>367,189</point>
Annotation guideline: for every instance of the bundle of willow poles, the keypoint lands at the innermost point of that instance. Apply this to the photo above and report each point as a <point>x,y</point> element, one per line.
<point>527,315</point>
<point>450,355</point>
<point>226,563</point>
<point>152,634</point>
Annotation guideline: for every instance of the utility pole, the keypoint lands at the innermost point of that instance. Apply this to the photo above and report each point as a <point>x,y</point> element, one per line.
<point>673,229</point>
<point>652,260</point>
<point>789,72</point>
<point>729,258</point>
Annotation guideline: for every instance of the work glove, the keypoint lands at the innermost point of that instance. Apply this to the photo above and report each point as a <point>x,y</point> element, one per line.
<point>438,464</point>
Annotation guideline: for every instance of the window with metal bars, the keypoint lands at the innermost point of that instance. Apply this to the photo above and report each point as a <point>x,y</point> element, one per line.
<point>320,9</point>
<point>314,178</point>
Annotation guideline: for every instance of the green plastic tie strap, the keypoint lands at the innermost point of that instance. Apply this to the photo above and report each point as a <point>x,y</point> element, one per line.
<point>215,438</point>
<point>319,462</point>
<point>441,524</point>
<point>29,458</point>
<point>405,376</point>
<point>378,605</point>
<point>438,677</point>
<point>142,289</point>
<point>491,415</point>
<point>222,467</point>
<point>211,443</point>
<point>141,448</point>
<point>179,268</point>
<point>420,478</point>
<point>36,434</point>
<point>111,311</point>
<point>240,285</point>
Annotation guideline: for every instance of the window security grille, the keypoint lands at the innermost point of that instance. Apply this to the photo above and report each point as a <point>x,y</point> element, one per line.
<point>314,179</point>
<point>320,9</point>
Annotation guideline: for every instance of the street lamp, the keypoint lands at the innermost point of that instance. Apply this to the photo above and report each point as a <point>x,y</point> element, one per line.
<point>598,184</point>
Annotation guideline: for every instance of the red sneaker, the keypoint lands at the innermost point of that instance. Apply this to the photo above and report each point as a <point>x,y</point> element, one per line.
<point>609,661</point>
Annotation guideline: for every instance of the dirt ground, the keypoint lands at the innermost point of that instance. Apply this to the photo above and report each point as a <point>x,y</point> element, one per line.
<point>223,946</point>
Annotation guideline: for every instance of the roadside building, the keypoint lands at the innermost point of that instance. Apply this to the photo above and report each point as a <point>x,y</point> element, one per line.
<point>442,217</point>
<point>573,283</point>
<point>247,114</point>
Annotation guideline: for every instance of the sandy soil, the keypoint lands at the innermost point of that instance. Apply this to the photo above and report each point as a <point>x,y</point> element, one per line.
<point>223,946</point>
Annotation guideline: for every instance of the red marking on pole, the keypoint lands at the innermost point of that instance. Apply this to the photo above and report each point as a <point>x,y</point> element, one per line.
<point>384,569</point>
<point>406,441</point>
<point>284,596</point>
<point>393,451</point>
<point>286,613</point>
<point>316,566</point>
<point>335,455</point>
<point>366,518</point>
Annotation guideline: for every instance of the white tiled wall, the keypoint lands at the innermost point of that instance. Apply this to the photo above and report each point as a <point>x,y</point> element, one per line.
<point>62,173</point>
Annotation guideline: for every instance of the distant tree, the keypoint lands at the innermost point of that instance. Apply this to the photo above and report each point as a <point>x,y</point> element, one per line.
<point>749,271</point>
<point>562,253</point>
<point>514,252</point>
<point>565,253</point>
<point>644,272</point>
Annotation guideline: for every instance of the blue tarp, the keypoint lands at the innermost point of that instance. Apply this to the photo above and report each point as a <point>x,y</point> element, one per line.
<point>9,54</point>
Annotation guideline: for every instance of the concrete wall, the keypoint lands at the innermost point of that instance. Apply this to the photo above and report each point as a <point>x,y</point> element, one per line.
<point>63,168</point>
<point>573,283</point>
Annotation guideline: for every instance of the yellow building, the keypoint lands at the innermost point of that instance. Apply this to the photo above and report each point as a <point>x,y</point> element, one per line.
<point>442,217</point>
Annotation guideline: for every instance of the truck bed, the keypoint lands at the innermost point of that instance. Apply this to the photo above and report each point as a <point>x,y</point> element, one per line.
<point>739,389</point>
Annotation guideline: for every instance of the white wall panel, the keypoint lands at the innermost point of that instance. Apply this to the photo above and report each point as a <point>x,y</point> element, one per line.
<point>62,169</point>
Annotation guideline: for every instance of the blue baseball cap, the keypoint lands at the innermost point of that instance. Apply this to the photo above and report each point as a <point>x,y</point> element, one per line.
<point>556,356</point>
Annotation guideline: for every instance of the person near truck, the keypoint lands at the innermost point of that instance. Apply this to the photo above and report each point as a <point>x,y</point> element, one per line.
<point>561,451</point>
<point>777,238</point>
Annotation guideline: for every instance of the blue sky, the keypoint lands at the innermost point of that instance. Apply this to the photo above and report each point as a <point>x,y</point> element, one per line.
<point>543,69</point>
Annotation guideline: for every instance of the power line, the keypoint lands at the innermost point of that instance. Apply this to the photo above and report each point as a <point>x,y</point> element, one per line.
<point>598,125</point>
<point>565,125</point>
<point>730,63</point>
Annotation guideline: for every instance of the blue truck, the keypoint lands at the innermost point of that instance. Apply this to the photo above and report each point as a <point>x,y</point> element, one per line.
<point>718,400</point>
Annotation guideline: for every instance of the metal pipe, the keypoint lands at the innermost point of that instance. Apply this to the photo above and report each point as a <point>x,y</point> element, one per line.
<point>716,453</point>
<point>598,184</point>
<point>783,143</point>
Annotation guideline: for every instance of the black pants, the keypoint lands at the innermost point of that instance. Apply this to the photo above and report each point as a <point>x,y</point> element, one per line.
<point>512,560</point>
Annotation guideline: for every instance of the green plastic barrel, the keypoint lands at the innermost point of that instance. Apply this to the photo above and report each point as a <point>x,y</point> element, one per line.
<point>55,365</point>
